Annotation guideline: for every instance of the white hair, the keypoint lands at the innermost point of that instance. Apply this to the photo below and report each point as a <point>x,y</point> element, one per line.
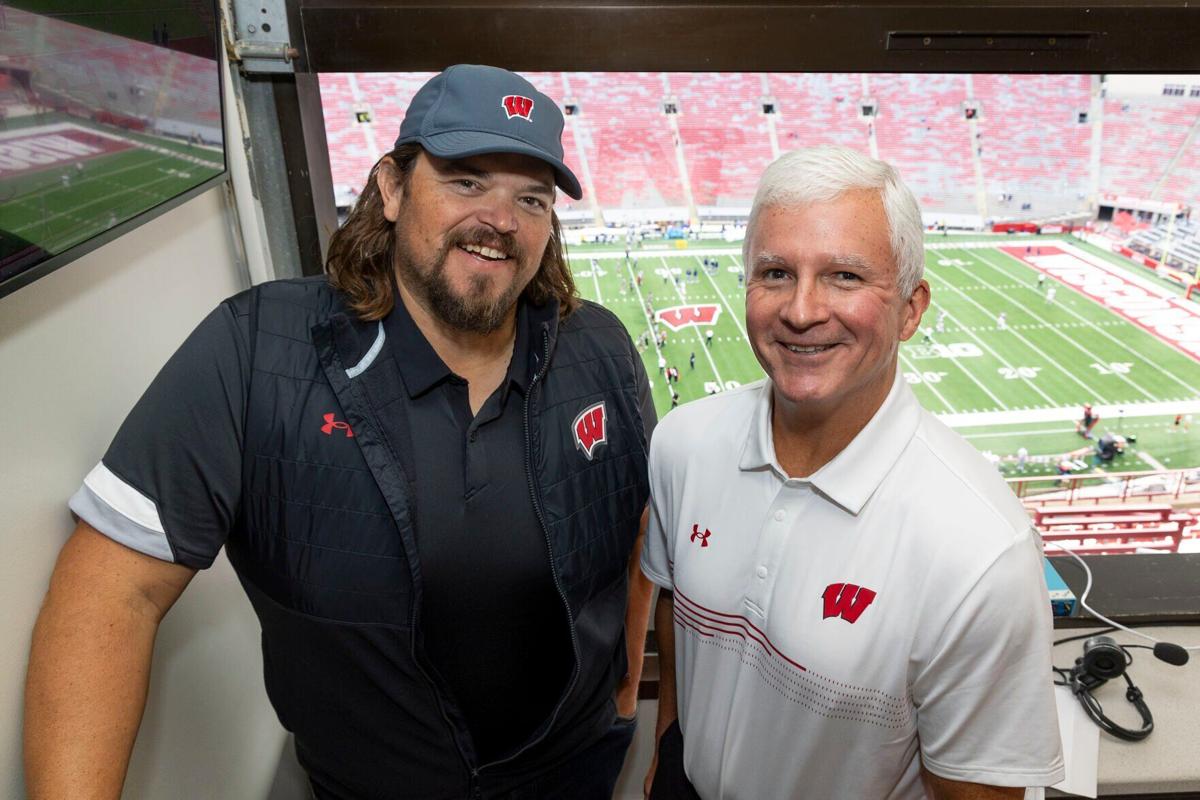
<point>821,174</point>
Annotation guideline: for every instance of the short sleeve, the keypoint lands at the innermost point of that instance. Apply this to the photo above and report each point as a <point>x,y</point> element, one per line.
<point>170,483</point>
<point>985,701</point>
<point>656,561</point>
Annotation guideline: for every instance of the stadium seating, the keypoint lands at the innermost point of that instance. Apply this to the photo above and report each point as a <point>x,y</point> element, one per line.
<point>724,134</point>
<point>818,109</point>
<point>625,134</point>
<point>1030,141</point>
<point>1114,528</point>
<point>1141,136</point>
<point>920,129</point>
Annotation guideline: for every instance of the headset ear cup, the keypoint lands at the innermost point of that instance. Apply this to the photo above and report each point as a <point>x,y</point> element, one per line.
<point>1103,658</point>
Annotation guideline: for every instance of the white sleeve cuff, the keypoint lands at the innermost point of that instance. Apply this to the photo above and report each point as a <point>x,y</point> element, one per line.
<point>121,513</point>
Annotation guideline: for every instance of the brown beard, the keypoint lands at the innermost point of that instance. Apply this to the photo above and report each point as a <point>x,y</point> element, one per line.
<point>470,312</point>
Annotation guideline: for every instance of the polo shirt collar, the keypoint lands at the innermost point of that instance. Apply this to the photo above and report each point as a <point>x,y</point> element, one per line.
<point>853,475</point>
<point>421,368</point>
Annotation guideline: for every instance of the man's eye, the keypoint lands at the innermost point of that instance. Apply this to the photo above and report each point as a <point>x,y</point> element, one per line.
<point>535,202</point>
<point>774,274</point>
<point>846,276</point>
<point>466,183</point>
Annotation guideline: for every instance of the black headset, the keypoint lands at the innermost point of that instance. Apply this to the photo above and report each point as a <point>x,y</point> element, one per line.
<point>1103,660</point>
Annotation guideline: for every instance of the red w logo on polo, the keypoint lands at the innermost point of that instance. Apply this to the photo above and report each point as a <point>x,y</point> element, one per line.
<point>846,600</point>
<point>590,429</point>
<point>703,537</point>
<point>678,316</point>
<point>332,424</point>
<point>517,106</point>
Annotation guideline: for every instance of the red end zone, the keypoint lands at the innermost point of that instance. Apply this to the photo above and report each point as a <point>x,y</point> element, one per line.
<point>1171,319</point>
<point>43,149</point>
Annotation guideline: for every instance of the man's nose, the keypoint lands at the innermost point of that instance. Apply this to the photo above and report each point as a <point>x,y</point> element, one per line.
<point>808,304</point>
<point>498,210</point>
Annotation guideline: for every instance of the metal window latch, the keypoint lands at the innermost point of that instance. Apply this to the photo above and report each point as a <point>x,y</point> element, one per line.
<point>261,42</point>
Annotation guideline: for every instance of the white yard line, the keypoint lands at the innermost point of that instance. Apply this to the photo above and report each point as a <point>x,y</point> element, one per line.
<point>1152,461</point>
<point>1069,414</point>
<point>1089,391</point>
<point>931,386</point>
<point>1186,386</point>
<point>732,314</point>
<point>642,309</point>
<point>684,301</point>
<point>998,357</point>
<point>596,280</point>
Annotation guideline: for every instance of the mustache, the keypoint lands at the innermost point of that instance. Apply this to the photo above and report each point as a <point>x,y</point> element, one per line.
<point>484,237</point>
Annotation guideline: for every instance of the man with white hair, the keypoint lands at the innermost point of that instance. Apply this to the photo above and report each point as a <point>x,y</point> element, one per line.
<point>853,603</point>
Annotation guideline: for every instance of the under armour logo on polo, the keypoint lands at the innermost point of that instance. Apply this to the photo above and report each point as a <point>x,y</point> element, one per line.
<point>517,106</point>
<point>703,537</point>
<point>331,425</point>
<point>846,600</point>
<point>590,429</point>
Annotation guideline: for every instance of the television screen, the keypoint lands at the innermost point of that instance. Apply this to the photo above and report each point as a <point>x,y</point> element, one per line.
<point>105,116</point>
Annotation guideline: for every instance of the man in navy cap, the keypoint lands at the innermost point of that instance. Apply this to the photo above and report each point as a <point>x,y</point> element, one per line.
<point>428,468</point>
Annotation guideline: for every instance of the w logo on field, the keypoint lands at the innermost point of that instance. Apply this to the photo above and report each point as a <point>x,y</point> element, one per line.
<point>678,317</point>
<point>517,106</point>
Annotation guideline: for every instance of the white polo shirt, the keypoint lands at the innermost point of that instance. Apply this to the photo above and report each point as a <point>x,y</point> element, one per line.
<point>832,633</point>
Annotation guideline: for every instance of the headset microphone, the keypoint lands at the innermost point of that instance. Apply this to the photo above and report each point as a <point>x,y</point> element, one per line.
<point>1171,653</point>
<point>1103,660</point>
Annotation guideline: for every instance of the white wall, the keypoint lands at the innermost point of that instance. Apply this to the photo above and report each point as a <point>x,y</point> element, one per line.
<point>77,348</point>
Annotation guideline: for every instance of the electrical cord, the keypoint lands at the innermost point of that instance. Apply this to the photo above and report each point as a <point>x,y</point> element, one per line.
<point>1167,651</point>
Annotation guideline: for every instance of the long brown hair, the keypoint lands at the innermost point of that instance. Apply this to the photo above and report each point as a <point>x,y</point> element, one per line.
<point>362,252</point>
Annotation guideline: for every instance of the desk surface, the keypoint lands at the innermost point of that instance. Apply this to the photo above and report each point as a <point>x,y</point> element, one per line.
<point>1166,761</point>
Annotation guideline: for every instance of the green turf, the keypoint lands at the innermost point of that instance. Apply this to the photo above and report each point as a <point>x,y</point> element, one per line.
<point>41,207</point>
<point>1052,355</point>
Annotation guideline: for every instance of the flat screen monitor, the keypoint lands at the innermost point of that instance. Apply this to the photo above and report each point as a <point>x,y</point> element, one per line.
<point>107,118</point>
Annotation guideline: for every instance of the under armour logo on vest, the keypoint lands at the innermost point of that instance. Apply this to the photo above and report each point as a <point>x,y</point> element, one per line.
<point>331,425</point>
<point>703,537</point>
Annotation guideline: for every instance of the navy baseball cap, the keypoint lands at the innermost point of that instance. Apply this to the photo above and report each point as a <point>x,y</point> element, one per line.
<point>470,110</point>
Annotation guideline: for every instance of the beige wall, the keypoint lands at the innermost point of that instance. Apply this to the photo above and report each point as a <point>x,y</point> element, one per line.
<point>76,350</point>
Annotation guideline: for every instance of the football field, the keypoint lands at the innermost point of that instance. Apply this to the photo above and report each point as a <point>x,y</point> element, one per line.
<point>66,179</point>
<point>1006,359</point>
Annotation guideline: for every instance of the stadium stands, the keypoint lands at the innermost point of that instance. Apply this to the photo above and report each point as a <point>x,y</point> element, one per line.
<point>1141,137</point>
<point>1112,529</point>
<point>818,109</point>
<point>1033,146</point>
<point>1179,244</point>
<point>724,134</point>
<point>1030,140</point>
<point>921,130</point>
<point>140,86</point>
<point>623,130</point>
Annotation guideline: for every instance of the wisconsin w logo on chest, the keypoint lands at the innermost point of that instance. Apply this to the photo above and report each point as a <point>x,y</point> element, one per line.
<point>846,600</point>
<point>590,429</point>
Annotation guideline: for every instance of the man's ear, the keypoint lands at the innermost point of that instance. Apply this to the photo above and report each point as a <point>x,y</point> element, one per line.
<point>391,188</point>
<point>914,307</point>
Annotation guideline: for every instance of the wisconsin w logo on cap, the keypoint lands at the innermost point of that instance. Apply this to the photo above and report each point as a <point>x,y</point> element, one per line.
<point>517,106</point>
<point>590,429</point>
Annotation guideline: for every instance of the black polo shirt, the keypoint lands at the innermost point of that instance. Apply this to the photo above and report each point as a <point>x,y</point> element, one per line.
<point>494,625</point>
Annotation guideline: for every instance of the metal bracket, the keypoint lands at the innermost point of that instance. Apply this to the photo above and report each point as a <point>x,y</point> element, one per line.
<point>261,40</point>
